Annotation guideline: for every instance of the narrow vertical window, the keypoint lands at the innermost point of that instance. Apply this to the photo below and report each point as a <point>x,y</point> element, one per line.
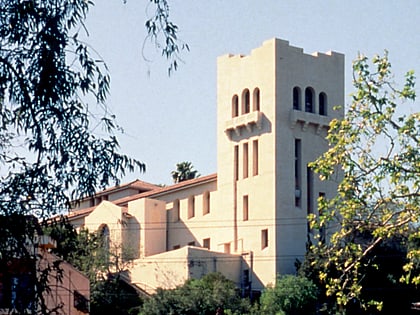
<point>227,248</point>
<point>264,238</point>
<point>323,104</point>
<point>296,98</point>
<point>236,162</point>
<point>245,160</point>
<point>206,243</point>
<point>309,100</point>
<point>235,106</point>
<point>245,102</point>
<point>175,209</point>
<point>245,209</point>
<point>255,157</point>
<point>256,99</point>
<point>191,207</point>
<point>297,172</point>
<point>206,202</point>
<point>309,189</point>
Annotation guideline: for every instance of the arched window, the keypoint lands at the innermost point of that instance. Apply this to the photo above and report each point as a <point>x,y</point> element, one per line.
<point>309,100</point>
<point>235,106</point>
<point>323,104</point>
<point>175,209</point>
<point>296,98</point>
<point>245,102</point>
<point>104,236</point>
<point>256,99</point>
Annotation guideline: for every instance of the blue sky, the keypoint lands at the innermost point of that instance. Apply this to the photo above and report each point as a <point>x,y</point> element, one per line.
<point>173,119</point>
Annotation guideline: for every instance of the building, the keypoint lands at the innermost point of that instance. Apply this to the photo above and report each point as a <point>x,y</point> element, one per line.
<point>248,221</point>
<point>69,289</point>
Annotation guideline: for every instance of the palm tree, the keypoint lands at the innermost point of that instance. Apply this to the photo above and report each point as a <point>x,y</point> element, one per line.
<point>184,171</point>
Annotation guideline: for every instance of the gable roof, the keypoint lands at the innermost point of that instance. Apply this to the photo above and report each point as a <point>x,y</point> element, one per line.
<point>157,191</point>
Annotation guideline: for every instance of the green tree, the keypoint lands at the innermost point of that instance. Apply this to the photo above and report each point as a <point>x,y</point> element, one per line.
<point>375,150</point>
<point>184,171</point>
<point>291,295</point>
<point>57,137</point>
<point>198,297</point>
<point>105,266</point>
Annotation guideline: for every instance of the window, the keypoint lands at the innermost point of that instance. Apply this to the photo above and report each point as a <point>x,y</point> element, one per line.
<point>236,163</point>
<point>206,243</point>
<point>191,207</point>
<point>80,302</point>
<point>175,210</point>
<point>323,104</point>
<point>256,99</point>
<point>191,243</point>
<point>264,238</point>
<point>206,202</point>
<point>176,247</point>
<point>235,106</point>
<point>245,102</point>
<point>309,189</point>
<point>245,209</point>
<point>226,248</point>
<point>245,160</point>
<point>255,157</point>
<point>296,98</point>
<point>297,172</point>
<point>17,285</point>
<point>309,100</point>
<point>104,235</point>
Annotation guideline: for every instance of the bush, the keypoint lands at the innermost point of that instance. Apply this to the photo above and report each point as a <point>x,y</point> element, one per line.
<point>292,295</point>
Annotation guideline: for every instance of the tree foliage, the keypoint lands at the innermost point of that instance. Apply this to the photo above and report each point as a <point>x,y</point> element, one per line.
<point>198,297</point>
<point>104,266</point>
<point>57,138</point>
<point>184,171</point>
<point>163,33</point>
<point>291,295</point>
<point>376,150</point>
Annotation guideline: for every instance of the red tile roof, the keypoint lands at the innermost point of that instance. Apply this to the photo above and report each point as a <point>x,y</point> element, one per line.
<point>157,190</point>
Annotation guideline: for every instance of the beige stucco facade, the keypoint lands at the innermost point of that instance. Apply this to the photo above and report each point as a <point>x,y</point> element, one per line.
<point>248,221</point>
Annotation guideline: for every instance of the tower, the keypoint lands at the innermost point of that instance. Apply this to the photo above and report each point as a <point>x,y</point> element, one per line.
<point>273,110</point>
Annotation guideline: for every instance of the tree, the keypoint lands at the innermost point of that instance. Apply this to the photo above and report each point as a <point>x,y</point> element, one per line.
<point>57,138</point>
<point>198,297</point>
<point>105,266</point>
<point>291,295</point>
<point>376,149</point>
<point>184,171</point>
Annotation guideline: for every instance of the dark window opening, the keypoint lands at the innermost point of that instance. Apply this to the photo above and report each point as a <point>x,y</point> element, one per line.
<point>235,106</point>
<point>206,243</point>
<point>245,102</point>
<point>297,172</point>
<point>245,210</point>
<point>296,98</point>
<point>80,302</point>
<point>264,238</point>
<point>256,99</point>
<point>309,100</point>
<point>206,203</point>
<point>323,104</point>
